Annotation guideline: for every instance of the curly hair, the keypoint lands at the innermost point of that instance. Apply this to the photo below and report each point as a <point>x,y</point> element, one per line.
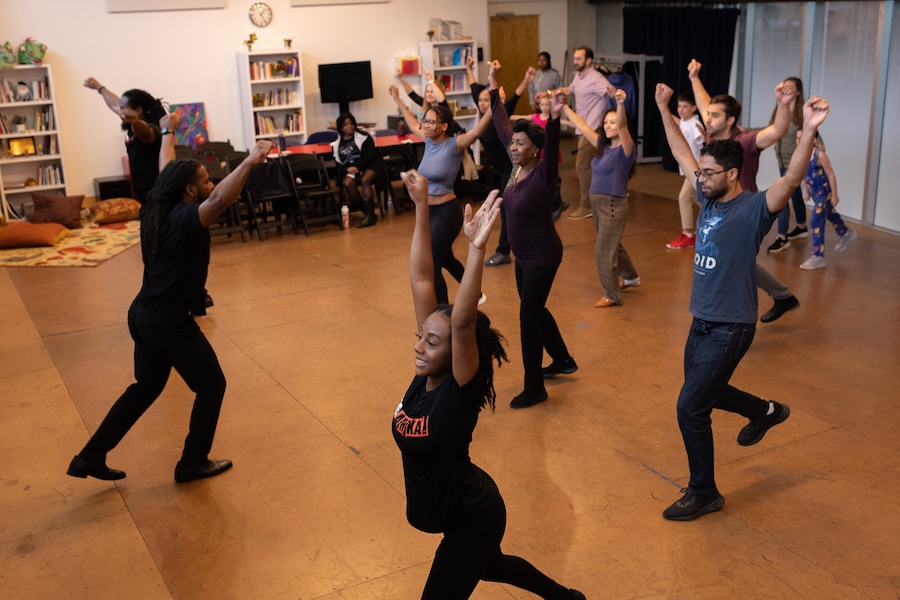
<point>490,348</point>
<point>153,107</point>
<point>166,194</point>
<point>727,153</point>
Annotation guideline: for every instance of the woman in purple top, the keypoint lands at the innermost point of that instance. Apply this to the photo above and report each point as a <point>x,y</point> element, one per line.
<point>611,167</point>
<point>534,241</point>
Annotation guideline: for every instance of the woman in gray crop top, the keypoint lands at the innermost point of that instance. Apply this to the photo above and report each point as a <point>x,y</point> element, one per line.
<point>444,147</point>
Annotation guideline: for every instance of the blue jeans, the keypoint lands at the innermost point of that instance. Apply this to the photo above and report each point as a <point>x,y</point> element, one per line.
<point>784,216</point>
<point>711,354</point>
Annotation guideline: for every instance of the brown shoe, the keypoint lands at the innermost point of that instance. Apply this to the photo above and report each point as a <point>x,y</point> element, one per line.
<point>604,302</point>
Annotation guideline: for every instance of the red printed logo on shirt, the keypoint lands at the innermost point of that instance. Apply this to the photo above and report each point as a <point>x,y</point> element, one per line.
<point>410,427</point>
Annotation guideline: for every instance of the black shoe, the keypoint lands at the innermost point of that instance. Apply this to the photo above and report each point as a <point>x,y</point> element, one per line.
<point>693,505</point>
<point>79,467</point>
<point>524,401</point>
<point>754,431</point>
<point>779,244</point>
<point>496,259</point>
<point>367,222</point>
<point>798,232</point>
<point>211,468</point>
<point>562,208</point>
<point>576,595</point>
<point>781,306</point>
<point>554,216</point>
<point>207,301</point>
<point>567,367</point>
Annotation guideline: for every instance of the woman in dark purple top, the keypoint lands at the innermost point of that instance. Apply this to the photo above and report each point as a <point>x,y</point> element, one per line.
<point>433,424</point>
<point>534,241</point>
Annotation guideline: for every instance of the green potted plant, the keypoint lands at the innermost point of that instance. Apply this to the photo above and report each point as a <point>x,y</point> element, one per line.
<point>19,122</point>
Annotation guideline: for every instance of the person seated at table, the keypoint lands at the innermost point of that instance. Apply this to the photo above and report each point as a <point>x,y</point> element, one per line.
<point>355,156</point>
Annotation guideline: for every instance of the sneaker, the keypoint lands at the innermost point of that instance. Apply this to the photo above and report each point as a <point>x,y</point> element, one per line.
<point>580,213</point>
<point>754,431</point>
<point>779,244</point>
<point>781,306</point>
<point>524,401</point>
<point>483,299</point>
<point>798,233</point>
<point>497,258</point>
<point>566,367</point>
<point>693,505</point>
<point>845,239</point>
<point>624,284</point>
<point>813,263</point>
<point>682,241</point>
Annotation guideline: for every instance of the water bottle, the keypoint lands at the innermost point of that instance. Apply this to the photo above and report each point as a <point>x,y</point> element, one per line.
<point>282,144</point>
<point>345,216</point>
<point>390,207</point>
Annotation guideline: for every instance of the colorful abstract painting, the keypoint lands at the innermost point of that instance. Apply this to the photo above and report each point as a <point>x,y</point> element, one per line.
<point>191,124</point>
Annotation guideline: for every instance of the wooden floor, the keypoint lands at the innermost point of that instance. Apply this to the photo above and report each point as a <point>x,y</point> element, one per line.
<point>315,337</point>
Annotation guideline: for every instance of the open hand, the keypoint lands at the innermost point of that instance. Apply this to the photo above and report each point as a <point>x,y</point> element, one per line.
<point>477,224</point>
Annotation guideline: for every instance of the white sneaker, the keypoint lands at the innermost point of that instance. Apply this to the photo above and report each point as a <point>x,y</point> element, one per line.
<point>483,298</point>
<point>813,263</point>
<point>844,240</point>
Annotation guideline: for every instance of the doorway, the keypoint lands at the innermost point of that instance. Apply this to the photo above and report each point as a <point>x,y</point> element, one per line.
<point>515,42</point>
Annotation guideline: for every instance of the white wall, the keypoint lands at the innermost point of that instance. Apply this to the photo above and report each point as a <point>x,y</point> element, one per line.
<point>552,17</point>
<point>190,56</point>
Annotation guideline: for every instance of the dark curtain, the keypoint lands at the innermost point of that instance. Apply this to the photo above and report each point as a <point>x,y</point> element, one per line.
<point>678,34</point>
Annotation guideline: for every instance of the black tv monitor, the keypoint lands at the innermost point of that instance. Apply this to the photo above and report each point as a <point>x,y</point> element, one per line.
<point>345,83</point>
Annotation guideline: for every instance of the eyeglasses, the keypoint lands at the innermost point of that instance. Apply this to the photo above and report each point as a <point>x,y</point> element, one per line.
<point>430,122</point>
<point>705,175</point>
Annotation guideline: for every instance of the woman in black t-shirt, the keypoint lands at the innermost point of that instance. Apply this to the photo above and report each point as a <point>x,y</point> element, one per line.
<point>433,424</point>
<point>355,156</point>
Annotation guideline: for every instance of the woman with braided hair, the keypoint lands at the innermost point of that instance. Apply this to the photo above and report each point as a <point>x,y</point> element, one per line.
<point>455,354</point>
<point>175,250</point>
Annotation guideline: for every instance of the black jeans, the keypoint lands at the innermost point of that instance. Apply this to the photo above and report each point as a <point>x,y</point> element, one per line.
<point>470,552</point>
<point>446,221</point>
<point>711,354</point>
<point>160,343</point>
<point>538,329</point>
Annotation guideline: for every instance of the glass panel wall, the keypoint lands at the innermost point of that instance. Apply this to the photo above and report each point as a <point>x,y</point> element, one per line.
<point>887,199</point>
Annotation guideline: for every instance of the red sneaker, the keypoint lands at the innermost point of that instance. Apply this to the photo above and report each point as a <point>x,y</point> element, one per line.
<point>682,241</point>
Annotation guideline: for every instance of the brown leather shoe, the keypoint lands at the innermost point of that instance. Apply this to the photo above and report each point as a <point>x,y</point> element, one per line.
<point>604,302</point>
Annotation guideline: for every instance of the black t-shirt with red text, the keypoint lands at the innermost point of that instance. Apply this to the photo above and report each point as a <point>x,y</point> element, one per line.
<point>433,430</point>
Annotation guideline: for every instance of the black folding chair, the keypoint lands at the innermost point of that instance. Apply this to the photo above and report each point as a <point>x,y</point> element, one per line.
<point>314,192</point>
<point>270,197</point>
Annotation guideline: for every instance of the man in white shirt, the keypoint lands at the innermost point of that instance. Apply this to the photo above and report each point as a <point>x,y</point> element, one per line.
<point>693,131</point>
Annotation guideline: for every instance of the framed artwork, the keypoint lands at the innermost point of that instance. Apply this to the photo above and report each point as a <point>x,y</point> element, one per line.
<point>191,124</point>
<point>21,146</point>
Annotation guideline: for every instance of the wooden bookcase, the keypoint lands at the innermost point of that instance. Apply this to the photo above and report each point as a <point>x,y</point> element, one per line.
<point>34,149</point>
<point>447,60</point>
<point>272,96</point>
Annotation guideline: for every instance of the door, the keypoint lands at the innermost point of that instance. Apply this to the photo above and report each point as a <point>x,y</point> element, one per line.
<point>515,43</point>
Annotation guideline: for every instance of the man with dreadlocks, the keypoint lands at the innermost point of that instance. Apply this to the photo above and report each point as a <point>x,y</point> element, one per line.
<point>140,112</point>
<point>175,249</point>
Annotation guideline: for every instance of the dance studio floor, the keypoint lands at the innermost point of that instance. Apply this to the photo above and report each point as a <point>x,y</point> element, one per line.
<point>315,337</point>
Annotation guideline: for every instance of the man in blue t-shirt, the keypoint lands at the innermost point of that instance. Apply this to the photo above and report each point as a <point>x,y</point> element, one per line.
<point>730,227</point>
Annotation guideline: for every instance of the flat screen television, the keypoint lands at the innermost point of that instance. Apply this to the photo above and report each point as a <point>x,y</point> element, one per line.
<point>345,83</point>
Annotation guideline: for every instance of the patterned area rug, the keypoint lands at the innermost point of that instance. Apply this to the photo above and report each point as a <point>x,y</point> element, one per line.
<point>86,247</point>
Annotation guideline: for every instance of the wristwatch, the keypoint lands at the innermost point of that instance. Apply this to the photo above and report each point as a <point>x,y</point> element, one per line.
<point>165,130</point>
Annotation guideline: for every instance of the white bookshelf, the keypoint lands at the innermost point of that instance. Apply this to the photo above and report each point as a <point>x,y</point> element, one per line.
<point>273,99</point>
<point>45,164</point>
<point>447,61</point>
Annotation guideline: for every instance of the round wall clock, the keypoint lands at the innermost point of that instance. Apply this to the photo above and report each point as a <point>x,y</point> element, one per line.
<point>260,14</point>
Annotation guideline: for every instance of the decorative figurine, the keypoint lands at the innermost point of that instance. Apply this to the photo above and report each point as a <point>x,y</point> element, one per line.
<point>287,42</point>
<point>7,56</point>
<point>249,42</point>
<point>31,52</point>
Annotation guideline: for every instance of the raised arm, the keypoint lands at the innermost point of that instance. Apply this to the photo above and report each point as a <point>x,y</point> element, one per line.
<point>679,146</point>
<point>701,96</point>
<point>622,123</point>
<point>229,189</point>
<point>580,124</point>
<point>779,127</point>
<point>526,80</point>
<point>470,74</point>
<point>436,88</point>
<point>421,263</point>
<point>477,227</point>
<point>814,112</point>
<point>112,100</point>
<point>501,119</point>
<point>167,149</point>
<point>464,140</point>
<point>410,119</point>
<point>492,74</point>
<point>406,87</point>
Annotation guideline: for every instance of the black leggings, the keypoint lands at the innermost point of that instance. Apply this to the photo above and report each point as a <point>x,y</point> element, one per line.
<point>470,552</point>
<point>160,343</point>
<point>446,221</point>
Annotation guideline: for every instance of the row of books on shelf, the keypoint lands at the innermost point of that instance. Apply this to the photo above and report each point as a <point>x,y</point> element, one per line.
<point>455,58</point>
<point>23,91</point>
<point>279,97</point>
<point>260,70</point>
<point>456,82</point>
<point>49,175</point>
<point>461,111</point>
<point>43,121</point>
<point>266,125</point>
